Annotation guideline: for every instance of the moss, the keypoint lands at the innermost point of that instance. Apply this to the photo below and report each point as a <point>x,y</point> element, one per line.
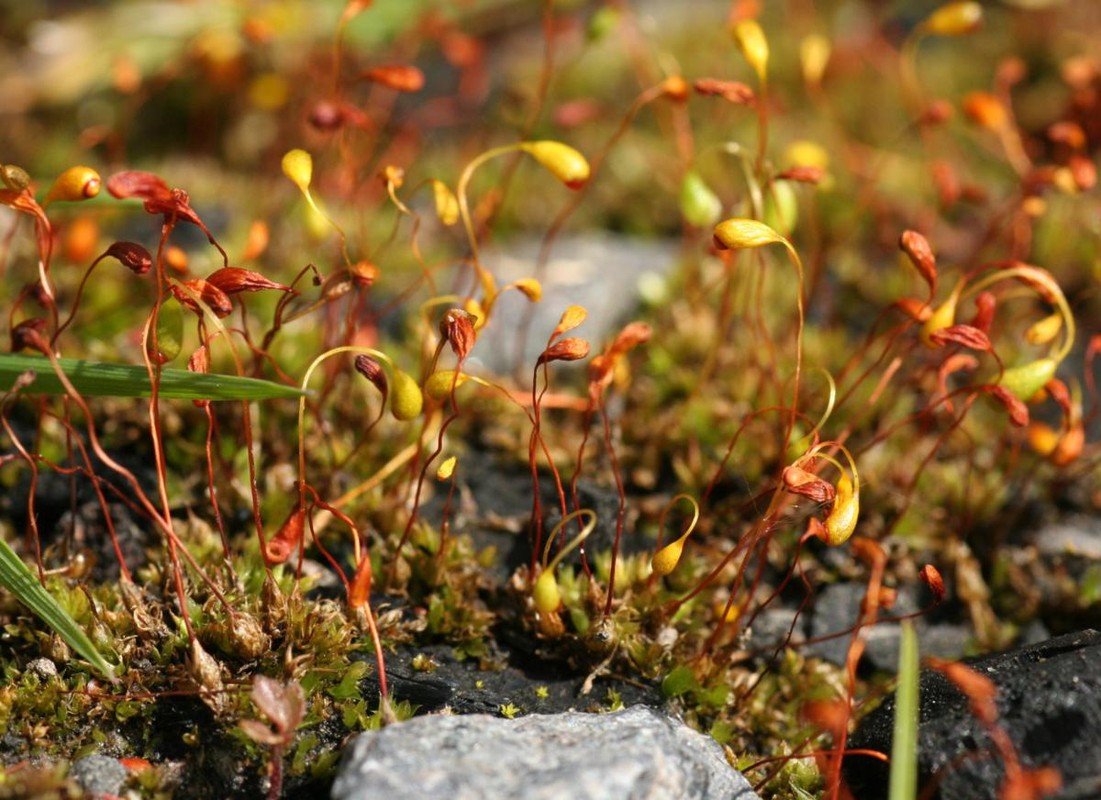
<point>727,386</point>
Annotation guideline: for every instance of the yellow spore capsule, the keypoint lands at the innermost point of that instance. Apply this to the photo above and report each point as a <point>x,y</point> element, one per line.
<point>954,19</point>
<point>530,288</point>
<point>751,41</point>
<point>841,521</point>
<point>447,205</point>
<point>666,559</point>
<point>561,160</point>
<point>814,54</point>
<point>545,593</point>
<point>1045,330</point>
<point>446,469</point>
<point>943,316</point>
<point>74,184</point>
<point>298,166</point>
<point>1042,438</point>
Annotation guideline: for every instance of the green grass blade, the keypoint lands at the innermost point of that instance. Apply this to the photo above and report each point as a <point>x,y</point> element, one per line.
<point>101,379</point>
<point>904,744</point>
<point>20,581</point>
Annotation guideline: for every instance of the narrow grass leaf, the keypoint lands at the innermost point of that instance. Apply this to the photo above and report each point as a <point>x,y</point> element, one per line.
<point>20,581</point>
<point>904,744</point>
<point>101,379</point>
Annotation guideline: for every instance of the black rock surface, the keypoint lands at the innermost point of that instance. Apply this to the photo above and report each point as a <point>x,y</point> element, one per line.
<point>1049,703</point>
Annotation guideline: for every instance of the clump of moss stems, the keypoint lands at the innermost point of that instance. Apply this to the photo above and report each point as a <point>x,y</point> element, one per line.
<point>743,412</point>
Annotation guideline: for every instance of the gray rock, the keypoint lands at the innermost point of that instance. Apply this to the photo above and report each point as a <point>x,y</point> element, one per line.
<point>638,753</point>
<point>947,640</point>
<point>776,627</point>
<point>601,272</point>
<point>43,668</point>
<point>1074,536</point>
<point>98,775</point>
<point>837,608</point>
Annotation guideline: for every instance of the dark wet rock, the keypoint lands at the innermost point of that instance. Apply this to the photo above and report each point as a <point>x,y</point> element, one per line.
<point>604,502</point>
<point>1049,703</point>
<point>517,678</point>
<point>634,753</point>
<point>98,775</point>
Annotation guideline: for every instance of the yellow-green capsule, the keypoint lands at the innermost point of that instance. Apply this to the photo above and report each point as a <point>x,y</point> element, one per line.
<point>438,385</point>
<point>545,592</point>
<point>698,204</point>
<point>666,559</point>
<point>446,469</point>
<point>741,234</point>
<point>15,178</point>
<point>1025,380</point>
<point>406,400</point>
<point>1044,330</point>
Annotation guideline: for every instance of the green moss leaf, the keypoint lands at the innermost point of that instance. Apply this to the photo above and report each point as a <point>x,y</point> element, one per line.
<point>680,681</point>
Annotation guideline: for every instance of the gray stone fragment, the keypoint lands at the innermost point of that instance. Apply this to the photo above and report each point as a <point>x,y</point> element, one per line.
<point>98,775</point>
<point>1074,536</point>
<point>638,753</point>
<point>946,640</point>
<point>776,627</point>
<point>43,668</point>
<point>598,271</point>
<point>837,608</point>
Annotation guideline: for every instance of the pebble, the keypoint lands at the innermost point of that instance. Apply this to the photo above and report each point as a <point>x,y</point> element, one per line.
<point>44,668</point>
<point>98,775</point>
